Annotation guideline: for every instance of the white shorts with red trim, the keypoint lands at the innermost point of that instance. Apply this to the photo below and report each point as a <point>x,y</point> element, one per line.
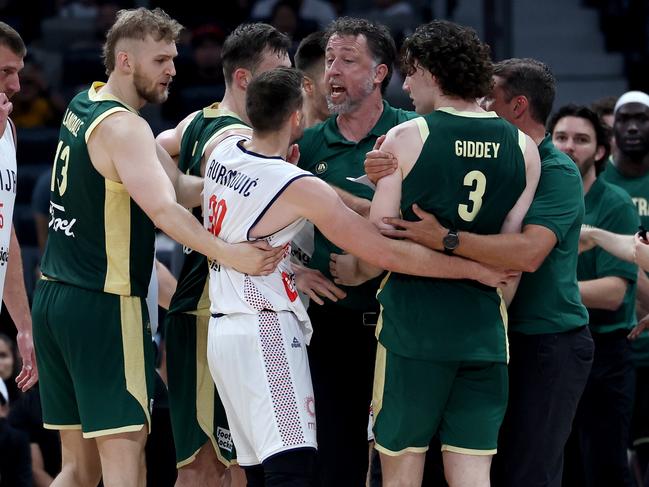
<point>260,367</point>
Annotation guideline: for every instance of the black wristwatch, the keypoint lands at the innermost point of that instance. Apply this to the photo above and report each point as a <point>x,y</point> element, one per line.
<point>450,241</point>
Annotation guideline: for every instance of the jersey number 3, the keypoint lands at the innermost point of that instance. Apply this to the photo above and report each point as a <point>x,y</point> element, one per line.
<point>477,178</point>
<point>217,209</point>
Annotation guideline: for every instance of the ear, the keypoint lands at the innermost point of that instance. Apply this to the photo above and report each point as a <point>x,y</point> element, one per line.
<point>381,73</point>
<point>124,61</point>
<point>307,83</point>
<point>600,152</point>
<point>521,105</point>
<point>241,78</point>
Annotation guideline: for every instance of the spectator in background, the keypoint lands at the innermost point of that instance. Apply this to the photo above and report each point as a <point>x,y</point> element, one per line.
<point>15,468</point>
<point>199,79</point>
<point>398,15</point>
<point>286,19</point>
<point>320,11</point>
<point>45,445</point>
<point>9,365</point>
<point>604,107</point>
<point>35,105</point>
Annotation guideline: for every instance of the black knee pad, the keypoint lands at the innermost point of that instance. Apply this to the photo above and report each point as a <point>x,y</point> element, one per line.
<point>293,468</point>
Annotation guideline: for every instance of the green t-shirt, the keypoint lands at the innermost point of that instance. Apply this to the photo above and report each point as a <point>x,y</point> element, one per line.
<point>470,174</point>
<point>325,152</point>
<point>192,294</point>
<point>98,238</point>
<point>638,189</point>
<point>610,208</point>
<point>548,300</point>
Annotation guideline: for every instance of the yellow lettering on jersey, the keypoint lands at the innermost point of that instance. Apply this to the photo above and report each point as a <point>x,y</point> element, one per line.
<point>475,149</point>
<point>72,122</point>
<point>641,205</point>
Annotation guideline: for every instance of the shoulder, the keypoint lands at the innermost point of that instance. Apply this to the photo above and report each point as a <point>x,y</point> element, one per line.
<point>616,195</point>
<point>122,126</point>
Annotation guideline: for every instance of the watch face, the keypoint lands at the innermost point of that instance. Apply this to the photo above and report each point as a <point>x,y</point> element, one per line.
<point>451,241</point>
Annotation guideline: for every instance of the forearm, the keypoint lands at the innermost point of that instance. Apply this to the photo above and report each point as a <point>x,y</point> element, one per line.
<point>604,293</point>
<point>15,294</point>
<point>410,258</point>
<point>508,251</point>
<point>167,284</point>
<point>620,246</point>
<point>188,190</point>
<point>642,295</point>
<point>355,203</point>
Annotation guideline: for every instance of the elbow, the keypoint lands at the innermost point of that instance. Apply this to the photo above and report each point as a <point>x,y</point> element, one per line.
<point>614,301</point>
<point>531,261</point>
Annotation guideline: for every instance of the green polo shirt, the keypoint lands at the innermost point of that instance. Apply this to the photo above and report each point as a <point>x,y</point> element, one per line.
<point>638,189</point>
<point>548,300</point>
<point>610,208</point>
<point>330,156</point>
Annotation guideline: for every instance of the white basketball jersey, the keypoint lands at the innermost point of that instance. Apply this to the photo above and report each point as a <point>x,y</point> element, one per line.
<point>7,198</point>
<point>240,186</point>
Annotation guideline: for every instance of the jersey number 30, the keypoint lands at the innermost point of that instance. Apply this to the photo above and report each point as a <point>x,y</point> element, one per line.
<point>217,209</point>
<point>466,212</point>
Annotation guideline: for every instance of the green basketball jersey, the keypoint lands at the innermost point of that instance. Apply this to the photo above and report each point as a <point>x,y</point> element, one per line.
<point>610,208</point>
<point>99,238</point>
<point>470,173</point>
<point>638,189</point>
<point>191,293</point>
<point>325,152</point>
<point>548,300</point>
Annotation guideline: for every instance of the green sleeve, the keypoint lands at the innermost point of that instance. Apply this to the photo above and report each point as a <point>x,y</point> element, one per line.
<point>622,219</point>
<point>558,201</point>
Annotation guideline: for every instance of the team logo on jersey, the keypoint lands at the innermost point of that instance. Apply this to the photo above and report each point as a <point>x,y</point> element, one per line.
<point>224,438</point>
<point>58,223</point>
<point>289,286</point>
<point>321,167</point>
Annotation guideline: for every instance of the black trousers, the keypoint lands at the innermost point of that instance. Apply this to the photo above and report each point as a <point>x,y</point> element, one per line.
<point>596,451</point>
<point>341,357</point>
<point>547,376</point>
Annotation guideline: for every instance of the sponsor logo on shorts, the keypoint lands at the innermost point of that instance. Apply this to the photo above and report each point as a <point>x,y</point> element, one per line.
<point>187,250</point>
<point>296,343</point>
<point>289,286</point>
<point>59,221</point>
<point>224,438</point>
<point>309,405</point>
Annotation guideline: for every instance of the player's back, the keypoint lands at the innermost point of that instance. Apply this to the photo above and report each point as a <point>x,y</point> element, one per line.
<point>99,238</point>
<point>240,187</point>
<point>470,173</point>
<point>207,124</point>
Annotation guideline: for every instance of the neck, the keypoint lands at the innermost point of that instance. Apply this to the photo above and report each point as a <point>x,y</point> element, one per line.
<point>589,179</point>
<point>235,101</point>
<point>631,167</point>
<point>123,89</point>
<point>355,126</point>
<point>312,116</point>
<point>270,144</point>
<point>459,104</point>
<point>535,130</point>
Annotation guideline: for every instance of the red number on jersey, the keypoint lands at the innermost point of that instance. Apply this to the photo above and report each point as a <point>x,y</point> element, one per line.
<point>217,209</point>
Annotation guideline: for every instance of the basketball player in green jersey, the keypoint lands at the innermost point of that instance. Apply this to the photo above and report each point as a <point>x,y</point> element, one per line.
<point>201,434</point>
<point>108,191</point>
<point>442,344</point>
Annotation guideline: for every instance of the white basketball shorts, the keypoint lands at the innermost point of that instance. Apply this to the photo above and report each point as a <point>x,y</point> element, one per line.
<point>260,367</point>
